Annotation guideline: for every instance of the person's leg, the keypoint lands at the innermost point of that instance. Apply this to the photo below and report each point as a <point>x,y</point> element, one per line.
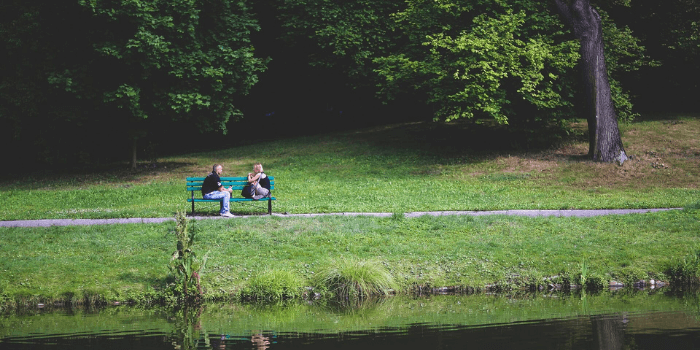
<point>227,198</point>
<point>224,197</point>
<point>261,192</point>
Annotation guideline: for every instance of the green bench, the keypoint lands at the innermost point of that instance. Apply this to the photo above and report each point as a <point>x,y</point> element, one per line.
<point>194,184</point>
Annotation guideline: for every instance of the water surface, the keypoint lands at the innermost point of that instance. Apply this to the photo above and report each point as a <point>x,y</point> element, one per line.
<point>628,320</point>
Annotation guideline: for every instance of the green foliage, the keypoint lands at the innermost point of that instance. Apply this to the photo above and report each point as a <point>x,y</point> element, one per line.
<point>623,54</point>
<point>134,67</point>
<point>686,272</point>
<point>184,263</point>
<point>349,33</point>
<point>482,59</point>
<point>188,57</point>
<point>510,61</point>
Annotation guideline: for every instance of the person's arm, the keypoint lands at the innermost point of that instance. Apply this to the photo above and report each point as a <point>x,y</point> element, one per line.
<point>252,179</point>
<point>224,189</point>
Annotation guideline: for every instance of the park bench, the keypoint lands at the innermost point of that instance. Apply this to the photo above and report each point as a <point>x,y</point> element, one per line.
<point>194,185</point>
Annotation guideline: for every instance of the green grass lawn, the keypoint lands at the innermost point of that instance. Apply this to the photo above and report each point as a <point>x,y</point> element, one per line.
<point>118,262</point>
<point>396,168</point>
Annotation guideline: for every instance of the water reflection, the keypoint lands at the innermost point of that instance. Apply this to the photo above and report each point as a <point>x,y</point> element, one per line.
<point>608,321</point>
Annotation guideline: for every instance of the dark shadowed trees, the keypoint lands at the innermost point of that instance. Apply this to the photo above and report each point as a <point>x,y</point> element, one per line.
<point>513,62</point>
<point>82,79</point>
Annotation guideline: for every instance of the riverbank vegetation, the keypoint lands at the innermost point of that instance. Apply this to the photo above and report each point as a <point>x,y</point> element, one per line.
<point>104,264</point>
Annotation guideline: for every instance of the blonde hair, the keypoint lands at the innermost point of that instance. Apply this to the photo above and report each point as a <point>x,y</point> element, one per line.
<point>256,166</point>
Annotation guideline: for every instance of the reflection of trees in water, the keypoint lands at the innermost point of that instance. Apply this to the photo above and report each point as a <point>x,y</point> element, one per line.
<point>609,331</point>
<point>188,333</point>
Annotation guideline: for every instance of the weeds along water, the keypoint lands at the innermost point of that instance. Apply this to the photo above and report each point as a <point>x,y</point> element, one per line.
<point>247,257</point>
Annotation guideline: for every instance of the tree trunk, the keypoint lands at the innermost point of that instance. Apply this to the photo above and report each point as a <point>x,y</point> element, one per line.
<point>605,143</point>
<point>134,147</point>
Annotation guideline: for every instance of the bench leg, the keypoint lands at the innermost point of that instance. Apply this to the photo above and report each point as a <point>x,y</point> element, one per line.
<point>269,207</point>
<point>192,203</point>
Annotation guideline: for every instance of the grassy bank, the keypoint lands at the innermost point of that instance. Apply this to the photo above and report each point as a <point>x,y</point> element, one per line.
<point>397,168</point>
<point>122,262</point>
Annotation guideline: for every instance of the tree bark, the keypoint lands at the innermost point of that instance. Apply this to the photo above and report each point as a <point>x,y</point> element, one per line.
<point>605,143</point>
<point>134,147</point>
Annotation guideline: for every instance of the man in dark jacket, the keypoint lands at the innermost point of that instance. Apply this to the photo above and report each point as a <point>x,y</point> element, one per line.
<point>213,189</point>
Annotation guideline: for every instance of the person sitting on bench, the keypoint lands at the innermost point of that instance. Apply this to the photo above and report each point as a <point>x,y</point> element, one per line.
<point>213,189</point>
<point>259,182</point>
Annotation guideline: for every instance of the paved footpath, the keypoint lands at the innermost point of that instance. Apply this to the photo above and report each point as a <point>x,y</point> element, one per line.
<point>530,213</point>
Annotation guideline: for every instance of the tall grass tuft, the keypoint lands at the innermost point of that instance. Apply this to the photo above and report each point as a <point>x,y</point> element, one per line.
<point>686,272</point>
<point>274,285</point>
<point>354,279</point>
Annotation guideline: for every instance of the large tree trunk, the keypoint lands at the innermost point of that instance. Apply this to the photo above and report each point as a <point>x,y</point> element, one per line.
<point>605,143</point>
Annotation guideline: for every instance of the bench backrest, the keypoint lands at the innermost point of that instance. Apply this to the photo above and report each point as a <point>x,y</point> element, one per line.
<point>195,183</point>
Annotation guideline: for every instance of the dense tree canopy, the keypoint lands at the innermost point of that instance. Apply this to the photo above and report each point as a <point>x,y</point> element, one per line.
<point>513,61</point>
<point>85,80</point>
<point>103,72</point>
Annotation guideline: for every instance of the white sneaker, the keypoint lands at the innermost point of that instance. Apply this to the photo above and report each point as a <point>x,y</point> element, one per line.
<point>227,215</point>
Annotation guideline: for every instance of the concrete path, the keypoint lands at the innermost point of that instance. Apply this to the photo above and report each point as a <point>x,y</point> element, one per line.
<point>530,213</point>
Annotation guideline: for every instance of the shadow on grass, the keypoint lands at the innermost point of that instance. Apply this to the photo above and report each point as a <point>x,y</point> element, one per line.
<point>666,116</point>
<point>465,137</point>
<point>118,172</point>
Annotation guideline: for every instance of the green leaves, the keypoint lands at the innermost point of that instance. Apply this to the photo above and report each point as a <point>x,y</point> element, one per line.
<point>182,56</point>
<point>184,263</point>
<point>143,67</point>
<point>128,97</point>
<point>477,58</point>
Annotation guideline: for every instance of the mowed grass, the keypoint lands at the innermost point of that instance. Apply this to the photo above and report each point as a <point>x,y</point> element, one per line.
<point>396,168</point>
<point>121,262</point>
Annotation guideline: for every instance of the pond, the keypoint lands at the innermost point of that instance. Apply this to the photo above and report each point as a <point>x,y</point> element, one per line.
<point>610,320</point>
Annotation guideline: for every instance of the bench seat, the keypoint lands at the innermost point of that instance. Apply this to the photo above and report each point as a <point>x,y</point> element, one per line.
<point>194,186</point>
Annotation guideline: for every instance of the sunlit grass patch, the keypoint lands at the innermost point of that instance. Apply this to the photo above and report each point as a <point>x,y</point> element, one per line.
<point>351,279</point>
<point>274,285</point>
<point>397,168</point>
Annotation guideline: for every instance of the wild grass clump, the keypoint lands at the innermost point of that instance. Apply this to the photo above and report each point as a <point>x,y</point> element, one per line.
<point>356,280</point>
<point>686,272</point>
<point>589,280</point>
<point>274,285</point>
